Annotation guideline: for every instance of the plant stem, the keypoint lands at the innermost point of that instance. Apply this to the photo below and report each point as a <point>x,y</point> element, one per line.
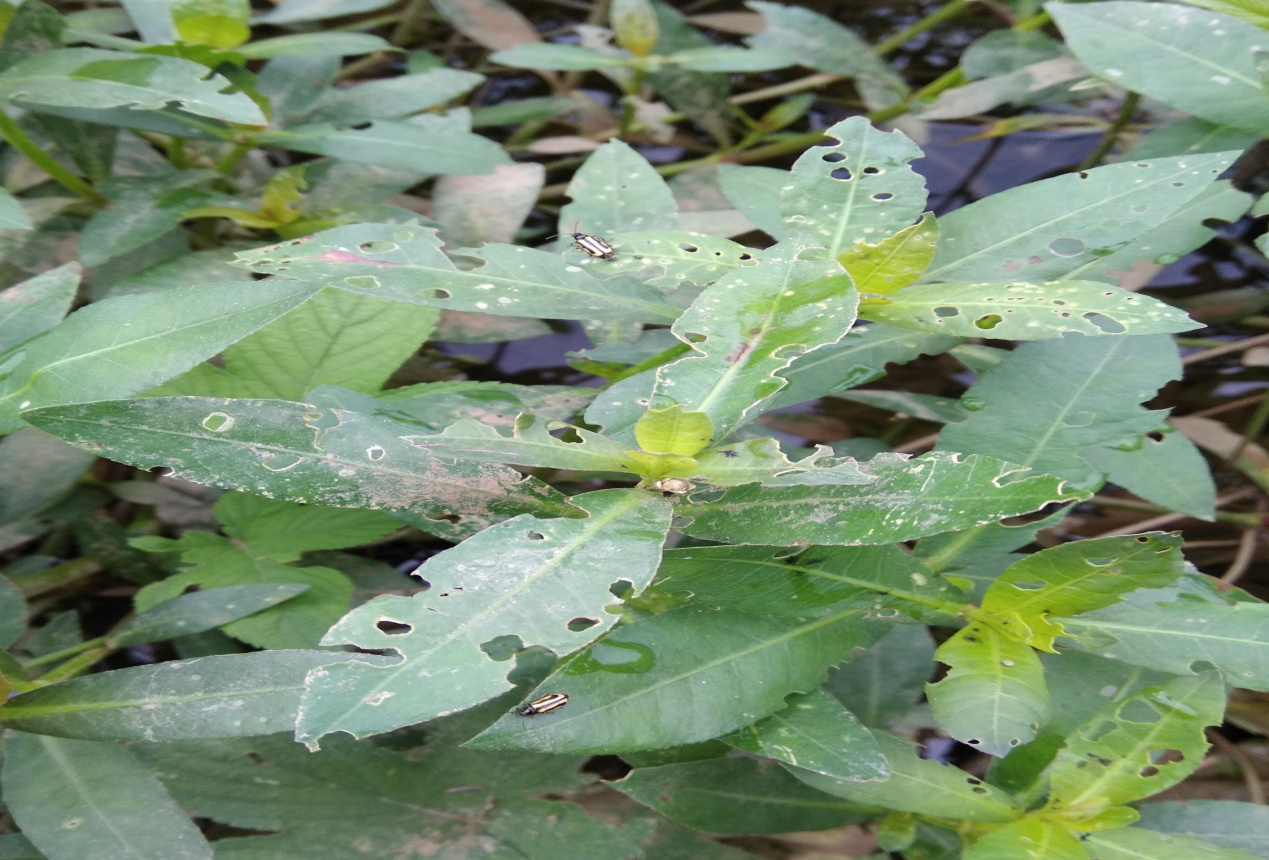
<point>22,142</point>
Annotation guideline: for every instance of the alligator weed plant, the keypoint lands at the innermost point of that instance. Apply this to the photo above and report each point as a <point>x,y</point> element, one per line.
<point>631,567</point>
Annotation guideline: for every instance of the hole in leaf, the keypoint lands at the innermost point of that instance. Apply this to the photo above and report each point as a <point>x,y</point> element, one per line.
<point>833,157</point>
<point>502,648</point>
<point>1104,323</point>
<point>988,321</point>
<point>434,294</point>
<point>1137,711</point>
<point>842,173</point>
<point>161,471</point>
<point>377,246</point>
<point>535,535</point>
<point>1067,246</point>
<point>946,311</point>
<point>393,628</point>
<point>577,625</point>
<point>364,282</point>
<point>621,588</point>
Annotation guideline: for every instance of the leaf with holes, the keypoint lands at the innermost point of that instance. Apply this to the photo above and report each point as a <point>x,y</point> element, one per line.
<point>861,356</point>
<point>815,732</point>
<point>747,328</point>
<point>858,189</point>
<point>921,786</point>
<point>1136,747</point>
<point>683,676</point>
<point>406,264</point>
<point>680,257</point>
<point>1047,401</point>
<point>906,499</point>
<point>519,583</point>
<point>297,452</point>
<point>532,445</point>
<point>1046,229</point>
<point>1076,577</point>
<point>1025,311</point>
<point>993,697</point>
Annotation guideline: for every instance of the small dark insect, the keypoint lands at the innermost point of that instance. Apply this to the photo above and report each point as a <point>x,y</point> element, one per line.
<point>544,704</point>
<point>594,246</point>
<point>726,453</point>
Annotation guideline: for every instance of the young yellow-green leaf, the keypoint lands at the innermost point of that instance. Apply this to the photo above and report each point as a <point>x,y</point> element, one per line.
<point>1081,576</point>
<point>906,499</point>
<point>922,786</point>
<point>89,799</point>
<point>683,676</point>
<point>673,431</point>
<point>993,697</point>
<point>833,193</point>
<point>894,262</point>
<point>1020,310</point>
<point>705,795</point>
<point>119,346</point>
<point>228,695</point>
<point>297,452</point>
<point>1136,747</point>
<point>1029,839</point>
<point>815,732</point>
<point>405,264</point>
<point>543,582</point>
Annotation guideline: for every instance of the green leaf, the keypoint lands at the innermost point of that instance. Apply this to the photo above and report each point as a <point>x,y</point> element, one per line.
<point>1139,843</point>
<point>1030,838</point>
<point>993,698</point>
<point>755,192</point>
<point>1049,400</point>
<point>119,346</point>
<point>883,683</point>
<point>541,582</point>
<point>1173,637</point>
<point>1026,311</point>
<point>559,57</point>
<point>433,406</point>
<point>199,611</point>
<point>88,799</point>
<point>532,445</point>
<point>705,795</point>
<point>1046,229</point>
<point>296,452</point>
<point>323,44</point>
<point>1163,467</point>
<point>816,733</point>
<point>349,796</point>
<point>861,356</point>
<point>720,58</point>
<point>921,786</point>
<point>907,499</point>
<point>229,695</point>
<point>1168,53</point>
<point>617,190</point>
<point>95,78</point>
<point>1077,577</point>
<point>36,469</point>
<point>1226,823</point>
<point>832,194</point>
<point>143,209</point>
<point>429,143</point>
<point>335,338</point>
<point>820,42</point>
<point>1136,747</point>
<point>37,304</point>
<point>765,580</point>
<point>391,261</point>
<point>385,98</point>
<point>13,611</point>
<point>680,677</point>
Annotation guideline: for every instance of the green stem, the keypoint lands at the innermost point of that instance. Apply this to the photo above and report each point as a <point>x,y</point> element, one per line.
<point>54,656</point>
<point>649,363</point>
<point>76,665</point>
<point>1126,111</point>
<point>22,142</point>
